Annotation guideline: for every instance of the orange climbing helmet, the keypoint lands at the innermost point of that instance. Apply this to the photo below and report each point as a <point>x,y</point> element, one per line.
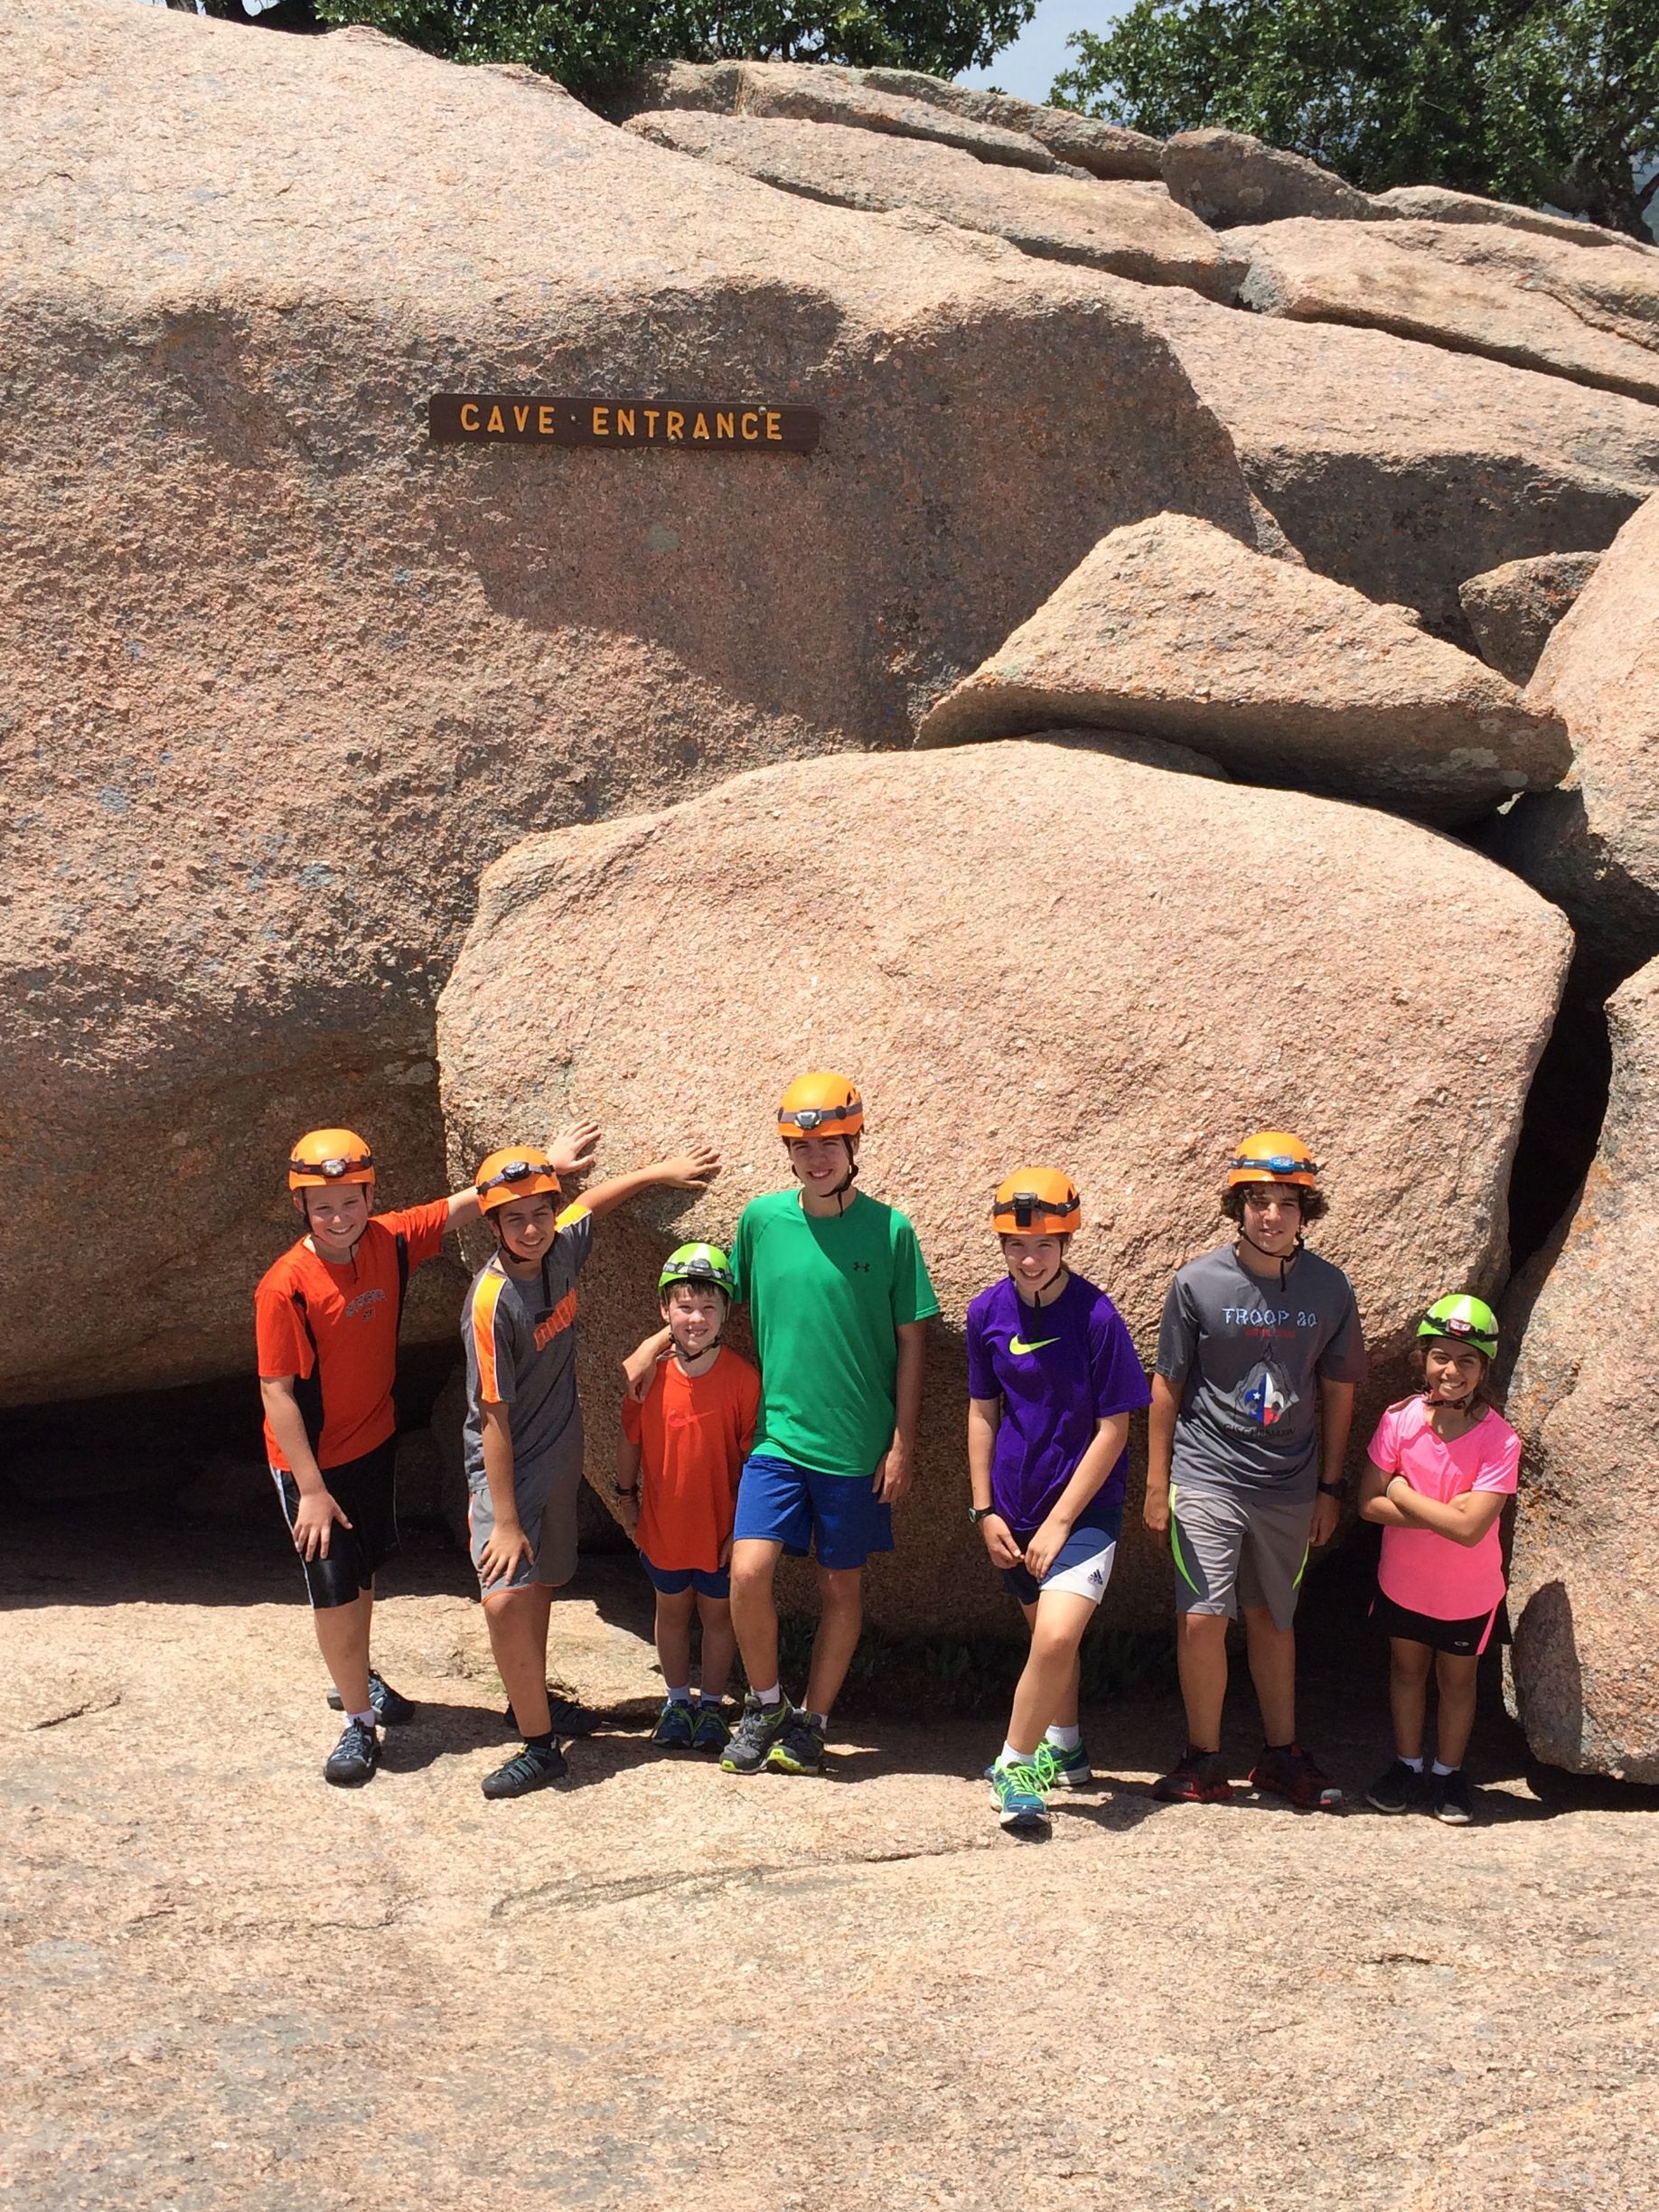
<point>1273,1155</point>
<point>820,1105</point>
<point>518,1172</point>
<point>1036,1201</point>
<point>323,1156</point>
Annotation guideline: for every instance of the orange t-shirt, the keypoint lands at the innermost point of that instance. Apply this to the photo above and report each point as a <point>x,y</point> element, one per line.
<point>335,1329</point>
<point>694,1434</point>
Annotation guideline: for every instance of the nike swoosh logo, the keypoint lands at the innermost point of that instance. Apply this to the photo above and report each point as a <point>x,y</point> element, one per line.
<point>1018,1343</point>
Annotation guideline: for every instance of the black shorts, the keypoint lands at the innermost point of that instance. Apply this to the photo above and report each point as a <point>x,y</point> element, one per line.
<point>366,1491</point>
<point>1463,1639</point>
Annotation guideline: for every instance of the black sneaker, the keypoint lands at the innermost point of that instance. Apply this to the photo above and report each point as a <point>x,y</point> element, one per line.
<point>757,1729</point>
<point>535,1765</point>
<point>1451,1799</point>
<point>564,1717</point>
<point>798,1746</point>
<point>354,1759</point>
<point>390,1710</point>
<point>1397,1791</point>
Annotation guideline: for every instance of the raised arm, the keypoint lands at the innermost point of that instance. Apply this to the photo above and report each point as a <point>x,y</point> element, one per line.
<point>690,1171</point>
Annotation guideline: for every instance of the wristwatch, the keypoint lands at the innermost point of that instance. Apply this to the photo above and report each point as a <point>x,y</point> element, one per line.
<point>977,1514</point>
<point>1332,1489</point>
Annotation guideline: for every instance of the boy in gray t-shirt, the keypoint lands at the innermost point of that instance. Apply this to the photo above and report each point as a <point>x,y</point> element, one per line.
<point>1258,1354</point>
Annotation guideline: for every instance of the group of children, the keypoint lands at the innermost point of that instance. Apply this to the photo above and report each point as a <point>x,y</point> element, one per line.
<point>722,1470</point>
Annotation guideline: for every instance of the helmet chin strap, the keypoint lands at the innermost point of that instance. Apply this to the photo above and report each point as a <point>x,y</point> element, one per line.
<point>688,1355</point>
<point>1284,1262</point>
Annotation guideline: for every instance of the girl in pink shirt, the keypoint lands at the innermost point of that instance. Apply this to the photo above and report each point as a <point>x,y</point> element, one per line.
<point>1441,1465</point>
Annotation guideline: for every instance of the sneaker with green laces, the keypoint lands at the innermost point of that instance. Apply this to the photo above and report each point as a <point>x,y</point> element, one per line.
<point>1071,1770</point>
<point>798,1746</point>
<point>1021,1798</point>
<point>676,1728</point>
<point>710,1731</point>
<point>757,1727</point>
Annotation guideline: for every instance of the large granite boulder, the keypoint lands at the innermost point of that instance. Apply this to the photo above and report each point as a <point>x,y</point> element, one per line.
<point>1173,629</point>
<point>1228,177</point>
<point>1085,142</point>
<point>1136,230</point>
<point>812,92</point>
<point>1120,969</point>
<point>1403,469</point>
<point>284,676</point>
<point>1589,313</point>
<point>1512,610</point>
<point>1593,845</point>
<point>1584,1578</point>
<point>1438,204</point>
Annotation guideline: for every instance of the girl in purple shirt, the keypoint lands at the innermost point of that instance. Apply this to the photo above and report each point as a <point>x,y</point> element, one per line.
<point>1052,1380</point>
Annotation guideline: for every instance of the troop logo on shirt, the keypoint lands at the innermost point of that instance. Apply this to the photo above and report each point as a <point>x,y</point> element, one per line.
<point>1265,1396</point>
<point>364,1302</point>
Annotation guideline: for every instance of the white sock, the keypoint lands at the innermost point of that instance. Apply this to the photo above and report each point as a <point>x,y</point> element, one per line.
<point>367,1719</point>
<point>1442,1769</point>
<point>774,1696</point>
<point>679,1697</point>
<point>1065,1739</point>
<point>1416,1765</point>
<point>1009,1757</point>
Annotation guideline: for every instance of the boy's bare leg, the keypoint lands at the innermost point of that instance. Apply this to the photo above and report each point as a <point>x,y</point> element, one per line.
<point>1049,1682</point>
<point>1201,1659</point>
<point>841,1599</point>
<point>1407,1691</point>
<point>674,1636</point>
<point>1272,1669</point>
<point>719,1643</point>
<point>1455,1718</point>
<point>342,1638</point>
<point>754,1613</point>
<point>518,1622</point>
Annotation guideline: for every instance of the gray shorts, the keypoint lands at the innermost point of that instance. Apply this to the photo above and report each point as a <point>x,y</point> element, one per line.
<point>546,1495</point>
<point>1235,1548</point>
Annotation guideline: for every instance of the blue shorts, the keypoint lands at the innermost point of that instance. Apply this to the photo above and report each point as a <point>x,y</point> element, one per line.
<point>779,1503</point>
<point>1083,1565</point>
<point>707,1582</point>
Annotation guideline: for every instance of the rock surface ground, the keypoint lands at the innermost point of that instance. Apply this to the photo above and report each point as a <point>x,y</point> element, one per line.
<point>1518,296</point>
<point>1402,469</point>
<point>1104,149</point>
<point>227,1983</point>
<point>1133,230</point>
<point>1512,610</point>
<point>1228,177</point>
<point>1173,629</point>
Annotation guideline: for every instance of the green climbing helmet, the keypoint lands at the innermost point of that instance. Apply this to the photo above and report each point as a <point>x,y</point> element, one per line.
<point>1462,1319</point>
<point>704,1263</point>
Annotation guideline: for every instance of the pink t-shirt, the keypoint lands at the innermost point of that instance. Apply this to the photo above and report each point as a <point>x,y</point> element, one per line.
<point>1429,1573</point>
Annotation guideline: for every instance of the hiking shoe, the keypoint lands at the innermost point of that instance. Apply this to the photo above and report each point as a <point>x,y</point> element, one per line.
<point>1198,1778</point>
<point>757,1726</point>
<point>535,1765</point>
<point>1451,1798</point>
<point>354,1759</point>
<point>1021,1800</point>
<point>1071,1770</point>
<point>798,1744</point>
<point>390,1710</point>
<point>710,1731</point>
<point>1397,1791</point>
<point>1289,1773</point>
<point>675,1728</point>
<point>566,1718</point>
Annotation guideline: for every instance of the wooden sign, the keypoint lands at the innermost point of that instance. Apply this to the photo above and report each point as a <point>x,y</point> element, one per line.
<point>682,426</point>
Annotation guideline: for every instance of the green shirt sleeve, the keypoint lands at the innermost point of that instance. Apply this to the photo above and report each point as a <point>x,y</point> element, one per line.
<point>913,1292</point>
<point>742,1244</point>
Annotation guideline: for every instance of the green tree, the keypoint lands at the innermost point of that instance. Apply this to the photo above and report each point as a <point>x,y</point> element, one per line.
<point>1529,100</point>
<point>593,45</point>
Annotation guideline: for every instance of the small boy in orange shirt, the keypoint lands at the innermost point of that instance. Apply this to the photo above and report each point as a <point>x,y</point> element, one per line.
<point>679,1454</point>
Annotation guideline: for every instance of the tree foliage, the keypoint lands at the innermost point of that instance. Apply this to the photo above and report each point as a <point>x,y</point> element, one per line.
<point>1531,100</point>
<point>593,45</point>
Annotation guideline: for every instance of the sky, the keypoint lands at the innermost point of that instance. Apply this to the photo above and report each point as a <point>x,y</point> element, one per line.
<point>1030,65</point>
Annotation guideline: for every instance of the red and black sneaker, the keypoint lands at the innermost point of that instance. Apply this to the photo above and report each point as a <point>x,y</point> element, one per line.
<point>1198,1778</point>
<point>1287,1771</point>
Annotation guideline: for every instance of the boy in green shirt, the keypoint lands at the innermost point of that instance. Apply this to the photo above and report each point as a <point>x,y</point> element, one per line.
<point>838,1299</point>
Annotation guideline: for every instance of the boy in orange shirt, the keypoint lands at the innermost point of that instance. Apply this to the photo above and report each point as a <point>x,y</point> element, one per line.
<point>326,1316</point>
<point>679,1454</point>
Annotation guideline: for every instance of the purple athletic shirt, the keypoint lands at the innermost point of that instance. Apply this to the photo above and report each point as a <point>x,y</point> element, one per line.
<point>1057,1371</point>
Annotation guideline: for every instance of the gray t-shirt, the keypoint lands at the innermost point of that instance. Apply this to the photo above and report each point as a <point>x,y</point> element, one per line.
<point>520,1350</point>
<point>1248,1354</point>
